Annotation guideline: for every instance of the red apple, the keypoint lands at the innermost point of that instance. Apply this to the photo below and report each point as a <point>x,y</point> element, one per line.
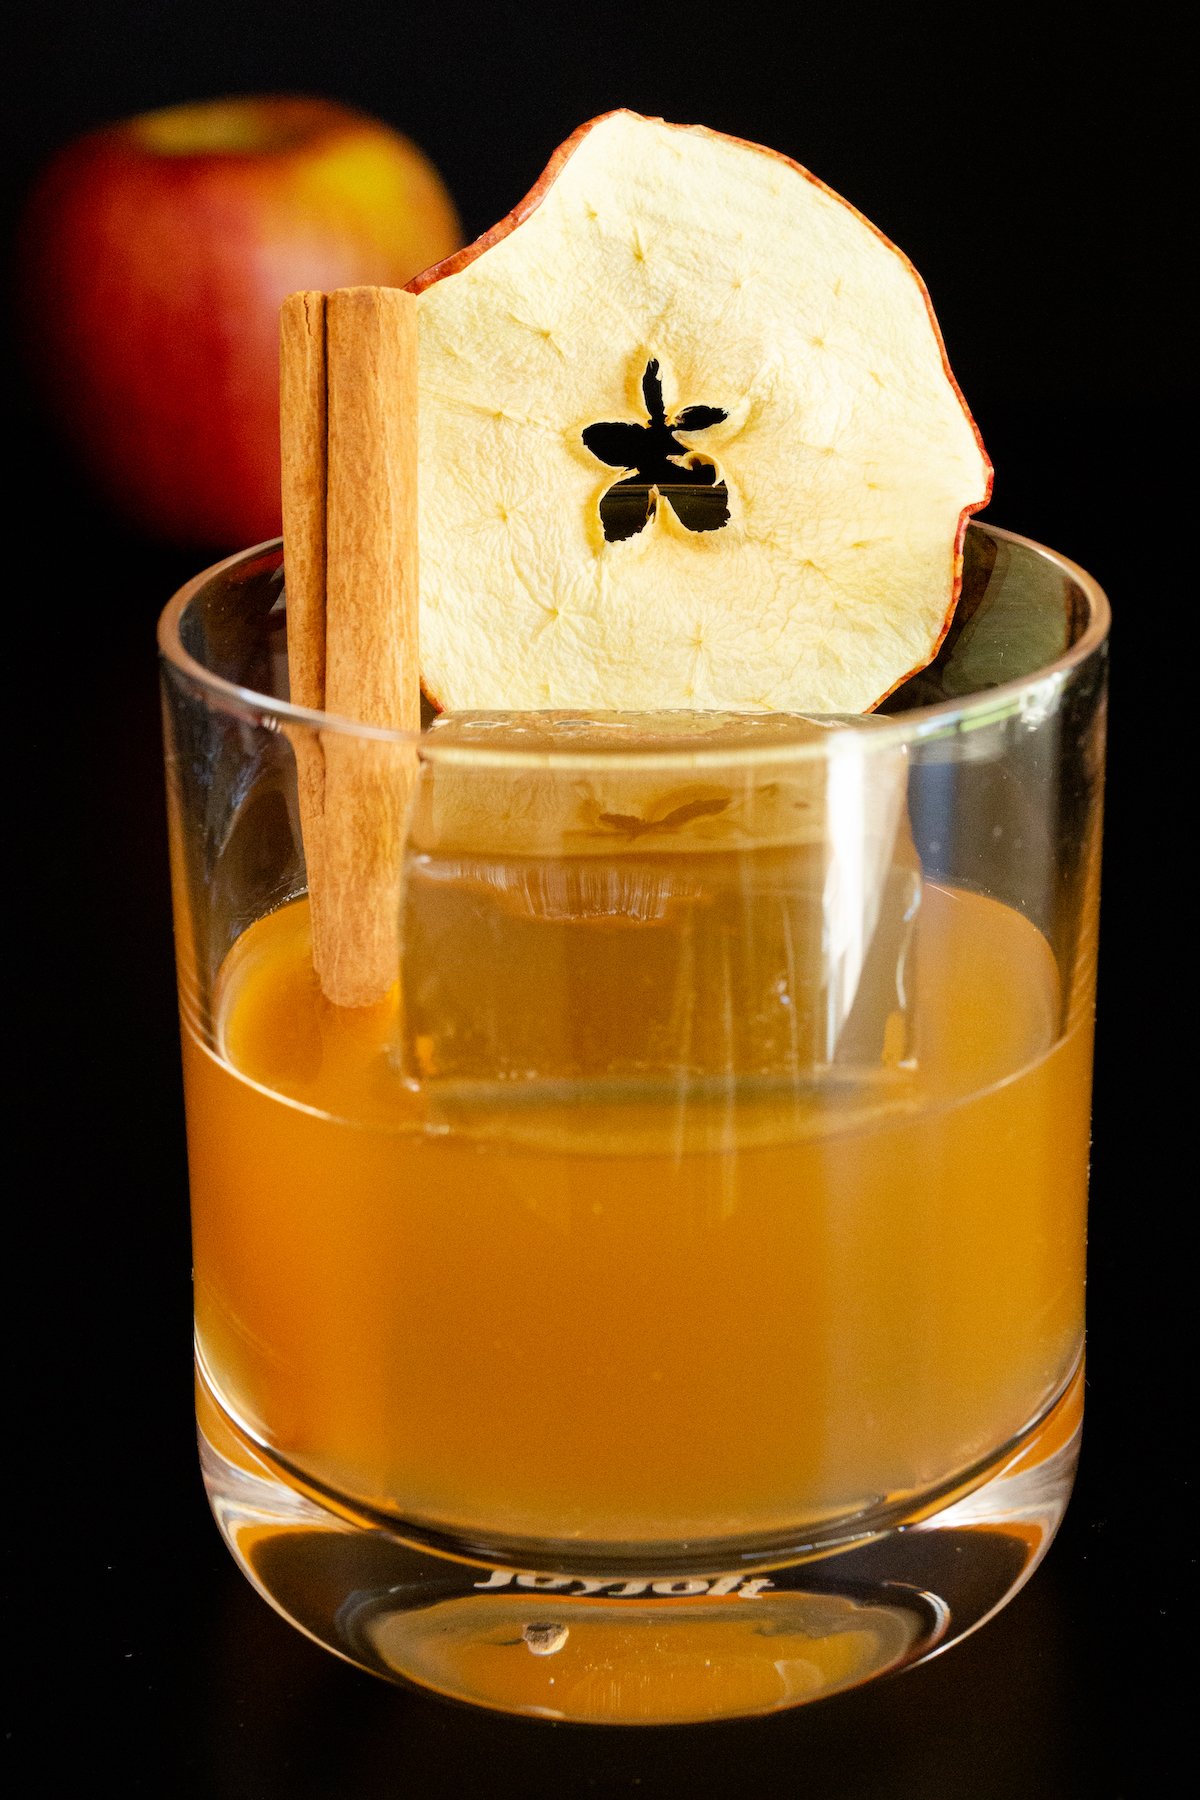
<point>152,263</point>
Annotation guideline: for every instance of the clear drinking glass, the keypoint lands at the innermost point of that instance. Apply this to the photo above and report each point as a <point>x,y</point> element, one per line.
<point>664,1300</point>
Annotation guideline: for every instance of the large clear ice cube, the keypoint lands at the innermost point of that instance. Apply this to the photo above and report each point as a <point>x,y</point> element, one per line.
<point>678,897</point>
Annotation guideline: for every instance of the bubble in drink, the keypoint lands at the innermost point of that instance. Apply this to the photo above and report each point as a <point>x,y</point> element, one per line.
<point>544,1640</point>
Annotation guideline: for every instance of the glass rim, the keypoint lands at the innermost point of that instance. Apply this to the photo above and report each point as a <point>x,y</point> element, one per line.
<point>1030,694</point>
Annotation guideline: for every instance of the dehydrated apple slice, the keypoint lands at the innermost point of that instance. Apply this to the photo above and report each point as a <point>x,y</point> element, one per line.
<point>688,439</point>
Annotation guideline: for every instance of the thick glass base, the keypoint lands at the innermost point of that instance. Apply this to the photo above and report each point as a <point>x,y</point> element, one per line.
<point>642,1645</point>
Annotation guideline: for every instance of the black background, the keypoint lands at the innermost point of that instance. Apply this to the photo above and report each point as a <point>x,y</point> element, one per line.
<point>1029,163</point>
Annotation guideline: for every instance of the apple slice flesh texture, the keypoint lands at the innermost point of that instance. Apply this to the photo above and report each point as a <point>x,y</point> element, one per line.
<point>849,457</point>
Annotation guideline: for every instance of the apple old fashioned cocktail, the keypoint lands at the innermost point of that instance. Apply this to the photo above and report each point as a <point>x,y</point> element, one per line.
<point>635,867</point>
<point>582,1326</point>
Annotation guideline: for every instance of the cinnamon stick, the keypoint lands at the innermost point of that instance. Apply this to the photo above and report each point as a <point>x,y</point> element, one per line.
<point>367,660</point>
<point>302,443</point>
<point>302,423</point>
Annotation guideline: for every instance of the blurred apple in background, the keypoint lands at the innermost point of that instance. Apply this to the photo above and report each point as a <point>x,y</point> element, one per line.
<point>151,265</point>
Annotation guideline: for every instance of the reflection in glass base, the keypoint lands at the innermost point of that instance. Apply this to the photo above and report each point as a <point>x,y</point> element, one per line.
<point>642,1646</point>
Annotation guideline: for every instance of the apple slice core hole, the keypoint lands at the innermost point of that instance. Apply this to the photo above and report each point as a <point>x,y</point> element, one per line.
<point>658,466</point>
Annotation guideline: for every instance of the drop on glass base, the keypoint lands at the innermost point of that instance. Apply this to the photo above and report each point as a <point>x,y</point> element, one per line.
<point>643,1644</point>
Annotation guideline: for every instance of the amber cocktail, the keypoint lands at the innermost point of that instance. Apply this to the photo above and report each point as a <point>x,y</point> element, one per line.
<point>667,1302</point>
